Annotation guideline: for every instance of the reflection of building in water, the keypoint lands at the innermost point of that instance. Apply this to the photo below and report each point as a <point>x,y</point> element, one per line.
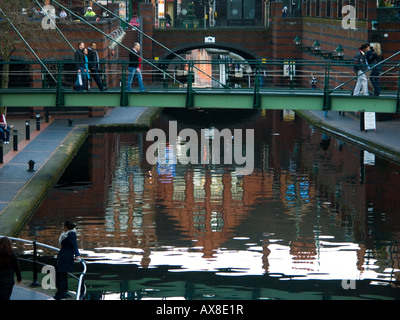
<point>129,214</point>
<point>206,205</point>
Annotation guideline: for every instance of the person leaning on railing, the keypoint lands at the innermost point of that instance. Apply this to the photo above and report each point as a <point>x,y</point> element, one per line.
<point>8,266</point>
<point>65,259</point>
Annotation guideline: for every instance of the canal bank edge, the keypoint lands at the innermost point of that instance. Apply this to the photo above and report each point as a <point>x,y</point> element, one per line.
<point>142,122</point>
<point>351,136</point>
<point>19,210</point>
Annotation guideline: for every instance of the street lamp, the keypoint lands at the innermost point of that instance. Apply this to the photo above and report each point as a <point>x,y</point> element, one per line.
<point>338,53</point>
<point>316,47</point>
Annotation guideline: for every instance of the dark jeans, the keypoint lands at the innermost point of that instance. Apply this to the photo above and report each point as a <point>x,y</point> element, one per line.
<point>62,285</point>
<point>94,74</point>
<point>5,133</point>
<point>6,286</point>
<point>374,78</point>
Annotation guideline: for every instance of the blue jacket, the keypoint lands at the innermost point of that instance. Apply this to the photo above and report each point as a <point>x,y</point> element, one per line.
<point>65,258</point>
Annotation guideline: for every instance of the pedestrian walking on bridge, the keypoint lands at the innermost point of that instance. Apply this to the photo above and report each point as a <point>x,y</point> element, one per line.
<point>360,67</point>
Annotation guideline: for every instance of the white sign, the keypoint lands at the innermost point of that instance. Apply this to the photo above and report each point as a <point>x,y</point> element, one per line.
<point>369,121</point>
<point>209,39</point>
<point>289,68</point>
<point>369,158</point>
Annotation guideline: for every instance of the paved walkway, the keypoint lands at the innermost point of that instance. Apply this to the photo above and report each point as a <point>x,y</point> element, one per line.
<point>385,141</point>
<point>23,293</point>
<point>43,143</point>
<point>41,146</point>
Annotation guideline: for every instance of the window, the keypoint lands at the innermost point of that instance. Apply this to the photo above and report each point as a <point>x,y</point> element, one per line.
<point>242,12</point>
<point>234,9</point>
<point>365,9</point>
<point>249,9</point>
<point>339,8</point>
<point>328,8</point>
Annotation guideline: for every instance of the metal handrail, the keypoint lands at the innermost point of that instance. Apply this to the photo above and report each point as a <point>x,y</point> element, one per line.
<point>374,66</point>
<point>329,74</point>
<point>35,243</point>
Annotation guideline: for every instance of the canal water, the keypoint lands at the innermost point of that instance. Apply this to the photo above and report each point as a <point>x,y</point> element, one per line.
<point>316,218</point>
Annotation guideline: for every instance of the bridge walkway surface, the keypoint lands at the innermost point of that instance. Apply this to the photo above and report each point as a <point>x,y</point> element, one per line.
<point>53,136</point>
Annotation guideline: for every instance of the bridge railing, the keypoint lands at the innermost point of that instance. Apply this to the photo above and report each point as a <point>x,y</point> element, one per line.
<point>32,251</point>
<point>257,75</point>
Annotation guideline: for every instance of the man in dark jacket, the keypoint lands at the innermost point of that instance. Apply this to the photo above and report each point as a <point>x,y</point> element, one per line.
<point>94,65</point>
<point>134,69</point>
<point>80,65</point>
<point>360,67</point>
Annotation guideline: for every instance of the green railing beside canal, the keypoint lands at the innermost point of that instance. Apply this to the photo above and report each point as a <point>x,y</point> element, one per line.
<point>241,84</point>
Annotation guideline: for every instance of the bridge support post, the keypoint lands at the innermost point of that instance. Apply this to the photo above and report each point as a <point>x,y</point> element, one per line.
<point>189,92</point>
<point>123,95</point>
<point>327,97</point>
<point>256,96</point>
<point>60,90</point>
<point>398,93</point>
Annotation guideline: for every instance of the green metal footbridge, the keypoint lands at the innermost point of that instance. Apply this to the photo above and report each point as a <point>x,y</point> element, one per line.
<point>215,83</point>
<point>235,84</point>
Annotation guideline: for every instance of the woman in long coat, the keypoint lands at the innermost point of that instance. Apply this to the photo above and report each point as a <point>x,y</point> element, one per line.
<point>9,266</point>
<point>65,259</point>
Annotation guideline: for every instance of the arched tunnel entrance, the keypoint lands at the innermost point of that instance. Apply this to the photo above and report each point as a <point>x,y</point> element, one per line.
<point>214,65</point>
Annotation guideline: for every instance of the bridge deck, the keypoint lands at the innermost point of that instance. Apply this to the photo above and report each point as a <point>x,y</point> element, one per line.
<point>277,99</point>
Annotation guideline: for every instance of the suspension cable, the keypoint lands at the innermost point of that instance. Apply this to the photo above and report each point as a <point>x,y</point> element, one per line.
<point>120,44</point>
<point>27,44</point>
<point>158,43</point>
<point>58,29</point>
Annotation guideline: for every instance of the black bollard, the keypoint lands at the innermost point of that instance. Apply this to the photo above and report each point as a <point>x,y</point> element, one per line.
<point>38,121</point>
<point>15,140</point>
<point>27,130</point>
<point>70,122</point>
<point>31,164</point>
<point>1,152</point>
